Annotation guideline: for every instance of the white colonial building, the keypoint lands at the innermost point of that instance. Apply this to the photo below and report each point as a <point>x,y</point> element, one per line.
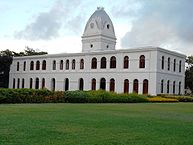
<point>146,70</point>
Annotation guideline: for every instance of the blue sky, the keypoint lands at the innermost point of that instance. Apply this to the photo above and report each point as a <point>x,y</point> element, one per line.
<point>56,26</point>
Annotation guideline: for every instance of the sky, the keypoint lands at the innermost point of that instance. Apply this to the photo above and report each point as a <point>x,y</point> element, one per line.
<point>56,26</point>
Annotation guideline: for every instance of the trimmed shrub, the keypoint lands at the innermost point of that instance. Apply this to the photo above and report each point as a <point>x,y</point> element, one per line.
<point>161,99</point>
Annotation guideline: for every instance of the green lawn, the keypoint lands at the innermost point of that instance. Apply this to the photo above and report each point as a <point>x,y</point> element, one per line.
<point>96,124</point>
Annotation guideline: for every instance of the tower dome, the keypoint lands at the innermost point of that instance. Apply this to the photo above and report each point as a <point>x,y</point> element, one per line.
<point>99,33</point>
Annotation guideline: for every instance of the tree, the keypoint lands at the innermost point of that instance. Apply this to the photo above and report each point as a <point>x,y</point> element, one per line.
<point>189,73</point>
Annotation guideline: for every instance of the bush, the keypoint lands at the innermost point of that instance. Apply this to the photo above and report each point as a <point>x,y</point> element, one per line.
<point>161,99</point>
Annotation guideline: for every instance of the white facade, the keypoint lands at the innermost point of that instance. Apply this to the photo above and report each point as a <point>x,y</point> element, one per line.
<point>145,66</point>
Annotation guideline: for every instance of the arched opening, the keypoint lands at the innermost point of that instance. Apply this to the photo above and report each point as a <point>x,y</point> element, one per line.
<point>17,66</point>
<point>61,64</point>
<point>37,83</point>
<point>24,66</point>
<point>94,63</point>
<point>73,64</point>
<point>14,83</point>
<point>168,63</point>
<point>93,84</point>
<point>43,83</point>
<point>174,87</point>
<point>81,84</point>
<point>162,62</point>
<point>112,85</point>
<point>179,89</point>
<point>113,62</point>
<point>44,65</point>
<point>18,83</point>
<point>168,87</point>
<point>82,64</point>
<point>180,66</point>
<point>162,86</point>
<point>31,83</point>
<point>54,65</point>
<point>126,62</point>
<point>135,86</point>
<point>145,86</point>
<point>103,62</point>
<point>174,68</point>
<point>103,84</point>
<point>53,84</point>
<point>126,86</point>
<point>31,65</point>
<point>23,83</point>
<point>66,84</point>
<point>142,61</point>
<point>67,64</point>
<point>38,65</point>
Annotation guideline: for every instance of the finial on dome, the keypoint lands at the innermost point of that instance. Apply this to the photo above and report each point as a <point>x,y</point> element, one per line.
<point>100,8</point>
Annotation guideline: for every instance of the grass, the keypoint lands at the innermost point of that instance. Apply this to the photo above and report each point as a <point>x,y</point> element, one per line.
<point>96,124</point>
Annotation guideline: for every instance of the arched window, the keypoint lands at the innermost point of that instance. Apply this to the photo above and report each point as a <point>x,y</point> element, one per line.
<point>17,66</point>
<point>126,86</point>
<point>135,86</point>
<point>54,65</point>
<point>31,83</point>
<point>174,87</point>
<point>24,66</point>
<point>43,83</point>
<point>23,83</point>
<point>44,65</point>
<point>61,64</point>
<point>142,61</point>
<point>180,66</point>
<point>179,89</point>
<point>162,86</point>
<point>113,62</point>
<point>82,64</point>
<point>94,63</point>
<point>67,64</point>
<point>145,86</point>
<point>103,84</point>
<point>37,83</point>
<point>18,83</point>
<point>126,62</point>
<point>66,84</point>
<point>174,69</point>
<point>168,86</point>
<point>162,65</point>
<point>14,83</point>
<point>31,65</point>
<point>93,84</point>
<point>81,84</point>
<point>168,63</point>
<point>38,65</point>
<point>73,63</point>
<point>112,85</point>
<point>103,62</point>
<point>53,84</point>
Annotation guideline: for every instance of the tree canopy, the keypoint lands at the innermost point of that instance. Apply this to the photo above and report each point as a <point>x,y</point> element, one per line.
<point>189,73</point>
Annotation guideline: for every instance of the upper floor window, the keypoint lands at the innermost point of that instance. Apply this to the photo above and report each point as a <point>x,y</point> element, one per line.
<point>67,64</point>
<point>44,65</point>
<point>17,66</point>
<point>82,64</point>
<point>73,63</point>
<point>113,62</point>
<point>94,63</point>
<point>126,62</point>
<point>168,63</point>
<point>31,65</point>
<point>24,66</point>
<point>103,62</point>
<point>162,65</point>
<point>142,61</point>
<point>54,65</point>
<point>180,66</point>
<point>174,65</point>
<point>37,65</point>
<point>61,64</point>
